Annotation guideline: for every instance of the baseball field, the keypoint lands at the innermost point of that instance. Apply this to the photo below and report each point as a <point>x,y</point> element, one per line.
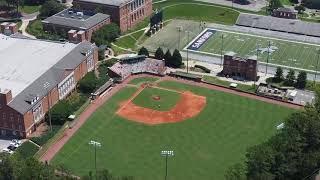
<point>214,132</point>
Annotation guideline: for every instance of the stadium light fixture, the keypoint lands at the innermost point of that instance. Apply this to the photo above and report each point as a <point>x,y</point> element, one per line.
<point>95,144</point>
<point>316,71</point>
<point>46,86</point>
<point>222,37</point>
<point>166,154</point>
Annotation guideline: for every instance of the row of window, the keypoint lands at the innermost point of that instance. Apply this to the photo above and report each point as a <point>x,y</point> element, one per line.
<point>66,87</point>
<point>90,63</point>
<point>136,4</point>
<point>38,113</point>
<point>137,15</point>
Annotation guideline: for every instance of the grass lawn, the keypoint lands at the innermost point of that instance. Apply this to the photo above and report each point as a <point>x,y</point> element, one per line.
<point>217,81</point>
<point>29,9</point>
<point>204,146</point>
<point>138,81</point>
<point>27,149</point>
<point>168,99</point>
<point>283,52</point>
<point>127,42</point>
<point>286,2</point>
<point>201,12</point>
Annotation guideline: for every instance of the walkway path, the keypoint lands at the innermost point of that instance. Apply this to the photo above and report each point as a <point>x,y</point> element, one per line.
<point>25,22</point>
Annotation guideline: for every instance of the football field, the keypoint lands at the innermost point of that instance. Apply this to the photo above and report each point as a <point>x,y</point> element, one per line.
<point>205,146</point>
<point>272,50</point>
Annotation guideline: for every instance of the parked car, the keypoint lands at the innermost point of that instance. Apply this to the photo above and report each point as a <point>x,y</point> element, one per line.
<point>12,148</point>
<point>16,143</point>
<point>6,150</point>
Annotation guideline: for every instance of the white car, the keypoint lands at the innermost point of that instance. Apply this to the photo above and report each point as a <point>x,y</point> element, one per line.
<point>16,143</point>
<point>6,150</point>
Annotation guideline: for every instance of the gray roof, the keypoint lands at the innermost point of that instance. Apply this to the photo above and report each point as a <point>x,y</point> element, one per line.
<point>52,77</point>
<point>107,2</point>
<point>86,21</point>
<point>279,24</point>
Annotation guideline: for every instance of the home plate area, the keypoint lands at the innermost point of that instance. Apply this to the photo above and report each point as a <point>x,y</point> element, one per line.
<point>154,105</point>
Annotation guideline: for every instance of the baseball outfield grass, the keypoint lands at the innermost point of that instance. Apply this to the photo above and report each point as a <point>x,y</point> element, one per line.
<point>138,81</point>
<point>204,146</point>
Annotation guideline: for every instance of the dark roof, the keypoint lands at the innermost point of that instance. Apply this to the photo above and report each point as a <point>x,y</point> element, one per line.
<point>52,77</point>
<point>187,75</point>
<point>107,2</point>
<point>279,24</point>
<point>82,20</point>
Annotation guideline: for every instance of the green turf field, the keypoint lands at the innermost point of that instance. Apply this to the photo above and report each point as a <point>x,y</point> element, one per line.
<point>168,99</point>
<point>138,81</point>
<point>204,146</point>
<point>287,53</point>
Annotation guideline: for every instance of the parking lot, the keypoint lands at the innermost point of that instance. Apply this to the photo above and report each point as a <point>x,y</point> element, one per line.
<point>4,143</point>
<point>303,97</point>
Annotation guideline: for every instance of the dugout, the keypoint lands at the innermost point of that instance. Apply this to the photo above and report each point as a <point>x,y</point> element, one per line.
<point>132,60</point>
<point>188,76</point>
<point>102,89</point>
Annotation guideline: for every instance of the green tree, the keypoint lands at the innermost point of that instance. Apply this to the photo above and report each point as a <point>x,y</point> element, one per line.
<point>236,172</point>
<point>159,54</point>
<point>274,4</point>
<point>106,34</point>
<point>313,4</point>
<point>88,83</point>
<point>301,80</point>
<point>167,58</point>
<point>290,78</point>
<point>293,153</point>
<point>50,8</point>
<point>279,75</point>
<point>60,112</point>
<point>143,51</point>
<point>176,60</point>
<point>300,8</point>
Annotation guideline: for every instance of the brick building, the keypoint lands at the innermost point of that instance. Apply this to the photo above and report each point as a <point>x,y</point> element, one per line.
<point>76,25</point>
<point>34,76</point>
<point>8,28</point>
<point>245,68</point>
<point>285,13</point>
<point>126,13</point>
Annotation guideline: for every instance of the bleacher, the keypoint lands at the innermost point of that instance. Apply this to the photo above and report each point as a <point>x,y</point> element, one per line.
<point>279,24</point>
<point>136,65</point>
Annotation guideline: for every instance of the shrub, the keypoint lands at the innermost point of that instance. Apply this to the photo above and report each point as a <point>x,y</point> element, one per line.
<point>88,83</point>
<point>206,70</point>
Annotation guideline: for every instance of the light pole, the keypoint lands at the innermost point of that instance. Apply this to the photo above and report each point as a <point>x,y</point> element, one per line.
<point>257,50</point>
<point>167,154</point>
<point>95,144</point>
<point>222,36</point>
<point>269,45</point>
<point>179,29</point>
<point>46,86</point>
<point>316,71</point>
<point>188,53</point>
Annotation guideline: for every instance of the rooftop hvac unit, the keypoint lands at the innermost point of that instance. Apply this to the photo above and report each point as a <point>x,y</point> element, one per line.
<point>70,12</point>
<point>72,16</point>
<point>61,14</point>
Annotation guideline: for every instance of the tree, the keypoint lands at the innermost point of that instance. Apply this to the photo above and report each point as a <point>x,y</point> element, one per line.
<point>236,172</point>
<point>159,54</point>
<point>176,60</point>
<point>300,8</point>
<point>313,4</point>
<point>279,75</point>
<point>50,8</point>
<point>293,153</point>
<point>274,4</point>
<point>143,51</point>
<point>167,58</point>
<point>106,35</point>
<point>88,83</point>
<point>290,78</point>
<point>301,80</point>
<point>60,112</point>
<point>294,1</point>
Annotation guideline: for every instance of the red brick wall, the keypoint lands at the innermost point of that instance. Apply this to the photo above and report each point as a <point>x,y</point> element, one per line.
<point>26,121</point>
<point>119,15</point>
